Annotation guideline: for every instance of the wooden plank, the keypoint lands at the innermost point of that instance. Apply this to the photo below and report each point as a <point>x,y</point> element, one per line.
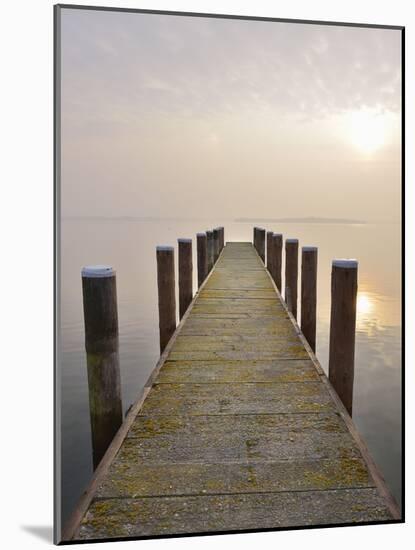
<point>236,342</point>
<point>276,371</point>
<point>194,399</point>
<point>244,294</point>
<point>217,446</point>
<point>246,305</point>
<point>237,427</point>
<point>129,477</point>
<point>239,323</point>
<point>140,517</point>
<point>288,351</point>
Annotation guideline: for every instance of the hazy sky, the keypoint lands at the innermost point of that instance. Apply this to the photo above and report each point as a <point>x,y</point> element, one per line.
<point>201,117</point>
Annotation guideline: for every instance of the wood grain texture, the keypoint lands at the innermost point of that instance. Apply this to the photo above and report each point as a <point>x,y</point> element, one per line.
<point>202,258</point>
<point>276,250</point>
<point>108,518</point>
<point>291,274</point>
<point>343,332</point>
<point>185,275</point>
<point>240,429</point>
<point>166,295</point>
<point>102,358</point>
<point>309,295</point>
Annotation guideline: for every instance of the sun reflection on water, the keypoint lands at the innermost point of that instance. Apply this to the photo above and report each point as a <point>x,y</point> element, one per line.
<point>364,303</point>
<point>375,312</point>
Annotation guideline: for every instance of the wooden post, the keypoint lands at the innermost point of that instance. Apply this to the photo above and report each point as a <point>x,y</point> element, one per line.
<point>222,238</point>
<point>291,273</point>
<point>101,344</point>
<point>261,243</point>
<point>166,294</point>
<point>185,275</point>
<point>288,300</point>
<point>209,236</point>
<point>277,259</point>
<point>202,259</point>
<point>309,294</point>
<point>269,251</point>
<point>216,238</point>
<point>343,329</point>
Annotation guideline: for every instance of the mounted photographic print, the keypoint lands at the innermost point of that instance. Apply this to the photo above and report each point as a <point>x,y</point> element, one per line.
<point>228,266</point>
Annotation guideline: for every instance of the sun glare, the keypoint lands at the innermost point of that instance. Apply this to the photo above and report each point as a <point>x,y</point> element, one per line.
<point>366,129</point>
<point>364,304</point>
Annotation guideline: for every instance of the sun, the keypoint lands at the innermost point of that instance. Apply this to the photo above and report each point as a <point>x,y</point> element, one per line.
<point>366,130</point>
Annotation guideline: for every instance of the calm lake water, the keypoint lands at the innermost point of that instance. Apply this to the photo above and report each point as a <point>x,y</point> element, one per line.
<point>129,246</point>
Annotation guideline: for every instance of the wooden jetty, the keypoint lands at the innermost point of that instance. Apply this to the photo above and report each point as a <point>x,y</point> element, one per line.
<point>237,429</point>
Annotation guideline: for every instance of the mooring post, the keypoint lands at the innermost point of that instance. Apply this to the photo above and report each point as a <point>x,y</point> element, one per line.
<point>261,243</point>
<point>166,294</point>
<point>210,253</point>
<point>216,243</point>
<point>222,238</point>
<point>255,238</point>
<point>202,259</point>
<point>277,259</point>
<point>185,275</point>
<point>101,344</point>
<point>291,273</point>
<point>343,329</point>
<point>309,294</point>
<point>270,255</point>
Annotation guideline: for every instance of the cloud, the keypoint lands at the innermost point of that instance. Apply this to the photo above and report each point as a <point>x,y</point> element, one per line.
<point>120,67</point>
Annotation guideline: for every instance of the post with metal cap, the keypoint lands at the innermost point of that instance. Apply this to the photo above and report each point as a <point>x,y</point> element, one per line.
<point>216,238</point>
<point>210,253</point>
<point>202,259</point>
<point>270,255</point>
<point>343,329</point>
<point>185,275</point>
<point>309,294</point>
<point>261,243</point>
<point>166,294</point>
<point>277,259</point>
<point>101,344</point>
<point>291,274</point>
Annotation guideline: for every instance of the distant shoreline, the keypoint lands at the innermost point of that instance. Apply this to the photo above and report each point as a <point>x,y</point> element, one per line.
<point>306,220</point>
<point>301,220</point>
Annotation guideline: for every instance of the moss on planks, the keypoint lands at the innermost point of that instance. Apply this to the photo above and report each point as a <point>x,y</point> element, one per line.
<point>200,514</point>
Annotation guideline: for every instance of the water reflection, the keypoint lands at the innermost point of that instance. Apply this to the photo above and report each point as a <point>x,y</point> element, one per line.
<point>375,311</point>
<point>364,305</point>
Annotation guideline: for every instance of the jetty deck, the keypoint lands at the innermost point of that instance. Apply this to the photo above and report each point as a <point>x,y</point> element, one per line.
<point>238,428</point>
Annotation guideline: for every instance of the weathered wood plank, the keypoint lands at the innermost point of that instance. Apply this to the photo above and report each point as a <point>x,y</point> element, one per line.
<point>237,343</point>
<point>129,477</point>
<point>237,427</point>
<point>240,324</point>
<point>233,304</point>
<point>243,294</point>
<point>293,351</point>
<point>158,442</point>
<point>223,282</point>
<point>113,517</point>
<point>276,371</point>
<point>205,399</point>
